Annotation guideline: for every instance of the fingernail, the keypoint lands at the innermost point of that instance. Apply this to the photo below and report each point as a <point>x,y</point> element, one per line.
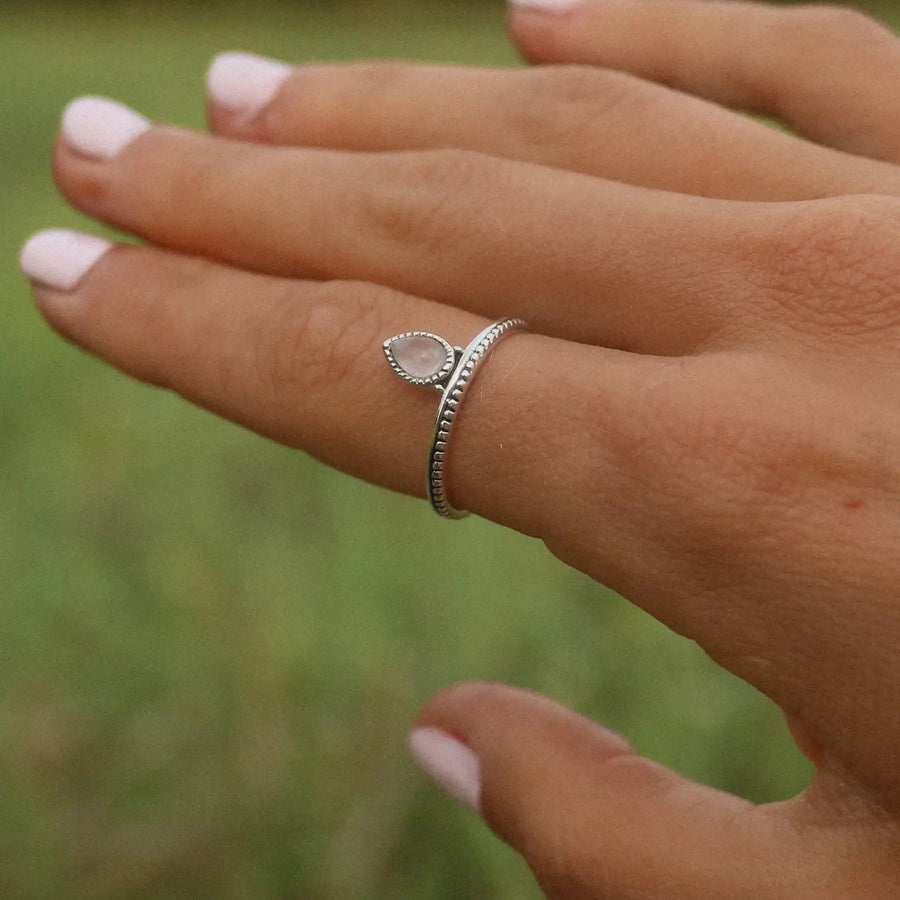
<point>101,128</point>
<point>551,6</point>
<point>243,82</point>
<point>59,258</point>
<point>452,765</point>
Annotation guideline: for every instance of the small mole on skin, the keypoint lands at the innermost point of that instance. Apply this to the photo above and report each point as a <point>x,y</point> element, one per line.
<point>853,503</point>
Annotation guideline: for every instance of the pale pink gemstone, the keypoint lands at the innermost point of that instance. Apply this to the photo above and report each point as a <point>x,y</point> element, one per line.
<point>419,356</point>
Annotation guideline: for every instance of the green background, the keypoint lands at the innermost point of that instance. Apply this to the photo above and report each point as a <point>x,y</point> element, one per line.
<point>211,647</point>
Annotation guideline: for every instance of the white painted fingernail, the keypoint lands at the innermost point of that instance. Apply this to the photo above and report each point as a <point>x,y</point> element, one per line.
<point>60,258</point>
<point>452,765</point>
<point>552,6</point>
<point>244,82</point>
<point>101,128</point>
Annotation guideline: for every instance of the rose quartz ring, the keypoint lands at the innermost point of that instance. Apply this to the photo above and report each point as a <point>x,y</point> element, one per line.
<point>424,359</point>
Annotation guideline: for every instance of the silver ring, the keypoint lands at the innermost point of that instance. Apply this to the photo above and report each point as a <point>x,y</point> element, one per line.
<point>427,360</point>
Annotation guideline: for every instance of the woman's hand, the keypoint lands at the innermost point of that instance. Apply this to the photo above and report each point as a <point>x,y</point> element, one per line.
<point>706,416</point>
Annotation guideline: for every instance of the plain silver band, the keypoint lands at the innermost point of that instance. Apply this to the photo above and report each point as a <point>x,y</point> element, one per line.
<point>453,394</point>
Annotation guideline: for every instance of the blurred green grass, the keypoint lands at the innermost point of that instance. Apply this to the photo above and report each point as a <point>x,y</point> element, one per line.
<point>211,646</point>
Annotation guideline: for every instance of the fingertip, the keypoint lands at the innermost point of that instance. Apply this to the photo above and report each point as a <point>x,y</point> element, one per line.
<point>537,32</point>
<point>100,128</point>
<point>449,763</point>
<point>456,708</point>
<point>486,714</point>
<point>59,259</point>
<point>544,7</point>
<point>567,31</point>
<point>243,84</point>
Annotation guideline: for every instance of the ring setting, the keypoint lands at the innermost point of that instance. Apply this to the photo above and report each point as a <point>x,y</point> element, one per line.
<point>422,358</point>
<point>425,359</point>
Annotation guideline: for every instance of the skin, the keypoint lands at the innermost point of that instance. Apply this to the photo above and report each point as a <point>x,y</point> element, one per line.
<point>704,417</point>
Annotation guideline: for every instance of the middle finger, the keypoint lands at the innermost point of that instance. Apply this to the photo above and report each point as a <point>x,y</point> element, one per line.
<point>578,257</point>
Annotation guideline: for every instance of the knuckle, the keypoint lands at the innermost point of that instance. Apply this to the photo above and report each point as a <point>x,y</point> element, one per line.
<point>745,448</point>
<point>445,171</point>
<point>305,349</point>
<point>420,198</point>
<point>171,354</point>
<point>574,86</point>
<point>709,441</point>
<point>835,265</point>
<point>377,76</point>
<point>836,36</point>
<point>338,100</point>
<point>768,453</point>
<point>182,165</point>
<point>277,347</point>
<point>564,863</point>
<point>832,23</point>
<point>551,104</point>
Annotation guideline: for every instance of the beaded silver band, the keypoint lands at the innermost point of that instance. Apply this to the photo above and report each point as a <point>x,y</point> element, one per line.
<point>425,359</point>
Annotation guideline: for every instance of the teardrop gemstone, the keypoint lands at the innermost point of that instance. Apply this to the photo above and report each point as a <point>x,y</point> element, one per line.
<point>419,356</point>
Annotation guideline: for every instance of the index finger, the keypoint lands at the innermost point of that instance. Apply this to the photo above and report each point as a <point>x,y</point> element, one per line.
<point>302,362</point>
<point>668,479</point>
